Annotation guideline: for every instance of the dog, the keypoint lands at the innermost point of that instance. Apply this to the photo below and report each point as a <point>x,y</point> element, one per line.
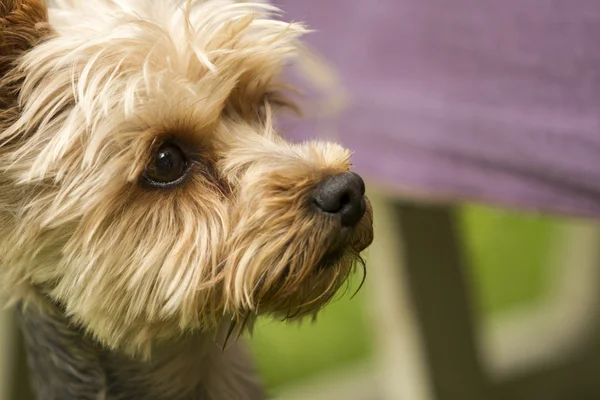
<point>149,207</point>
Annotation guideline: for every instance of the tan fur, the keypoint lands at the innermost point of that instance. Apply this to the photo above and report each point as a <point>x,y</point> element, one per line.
<point>136,266</point>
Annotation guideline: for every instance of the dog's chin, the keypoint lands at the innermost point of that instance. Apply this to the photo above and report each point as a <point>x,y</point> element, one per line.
<point>331,259</point>
<point>335,266</point>
<point>348,243</point>
<point>323,283</point>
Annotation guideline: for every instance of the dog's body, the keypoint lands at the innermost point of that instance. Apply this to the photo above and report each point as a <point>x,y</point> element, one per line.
<point>148,208</point>
<point>67,365</point>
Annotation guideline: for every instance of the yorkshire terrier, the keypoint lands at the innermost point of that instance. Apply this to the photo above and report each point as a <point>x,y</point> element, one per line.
<point>149,209</point>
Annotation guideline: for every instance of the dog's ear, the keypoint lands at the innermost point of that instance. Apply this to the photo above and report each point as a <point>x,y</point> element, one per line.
<point>23,24</point>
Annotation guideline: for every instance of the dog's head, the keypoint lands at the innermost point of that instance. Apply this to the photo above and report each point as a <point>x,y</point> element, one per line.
<point>143,186</point>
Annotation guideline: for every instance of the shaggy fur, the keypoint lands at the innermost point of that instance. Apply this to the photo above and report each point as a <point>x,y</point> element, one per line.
<point>142,280</point>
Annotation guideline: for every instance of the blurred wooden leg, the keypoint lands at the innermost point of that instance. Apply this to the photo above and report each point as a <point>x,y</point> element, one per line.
<point>7,334</point>
<point>434,268</point>
<point>14,376</point>
<point>399,354</point>
<point>428,334</point>
<point>22,389</point>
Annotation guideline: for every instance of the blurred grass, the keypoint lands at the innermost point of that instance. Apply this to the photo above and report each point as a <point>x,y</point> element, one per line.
<point>507,252</point>
<point>290,352</point>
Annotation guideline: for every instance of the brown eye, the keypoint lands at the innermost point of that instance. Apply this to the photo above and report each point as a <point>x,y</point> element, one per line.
<point>168,166</point>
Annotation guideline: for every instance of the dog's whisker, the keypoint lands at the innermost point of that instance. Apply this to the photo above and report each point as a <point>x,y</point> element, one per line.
<point>294,315</point>
<point>230,330</point>
<point>244,324</point>
<point>363,266</point>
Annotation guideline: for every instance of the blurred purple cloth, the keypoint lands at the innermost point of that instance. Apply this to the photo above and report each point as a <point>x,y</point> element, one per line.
<point>479,99</point>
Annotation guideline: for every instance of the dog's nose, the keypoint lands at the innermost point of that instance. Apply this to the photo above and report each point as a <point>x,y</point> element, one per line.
<point>342,195</point>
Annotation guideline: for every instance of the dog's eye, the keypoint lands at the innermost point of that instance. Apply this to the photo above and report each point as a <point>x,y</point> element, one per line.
<point>168,166</point>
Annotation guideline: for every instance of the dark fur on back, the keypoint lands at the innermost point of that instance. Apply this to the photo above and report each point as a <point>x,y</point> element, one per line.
<point>63,364</point>
<point>67,365</point>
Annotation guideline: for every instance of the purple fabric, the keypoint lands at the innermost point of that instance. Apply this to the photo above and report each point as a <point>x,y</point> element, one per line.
<point>480,99</point>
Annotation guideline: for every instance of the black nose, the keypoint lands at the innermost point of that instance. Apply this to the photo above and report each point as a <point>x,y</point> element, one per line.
<point>342,195</point>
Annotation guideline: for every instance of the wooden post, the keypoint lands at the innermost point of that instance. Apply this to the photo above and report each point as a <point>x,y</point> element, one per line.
<point>434,267</point>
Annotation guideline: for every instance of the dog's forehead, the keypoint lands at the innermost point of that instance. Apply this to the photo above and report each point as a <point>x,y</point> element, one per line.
<point>116,57</point>
<point>173,43</point>
<point>204,23</point>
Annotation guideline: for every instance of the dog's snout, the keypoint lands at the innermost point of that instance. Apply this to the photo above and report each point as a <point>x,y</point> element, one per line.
<point>342,195</point>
